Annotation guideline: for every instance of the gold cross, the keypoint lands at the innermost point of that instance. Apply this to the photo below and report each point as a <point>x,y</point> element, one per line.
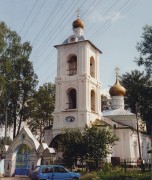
<point>117,71</point>
<point>78,13</point>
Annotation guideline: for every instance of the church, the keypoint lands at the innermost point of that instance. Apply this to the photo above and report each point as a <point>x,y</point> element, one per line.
<point>77,104</point>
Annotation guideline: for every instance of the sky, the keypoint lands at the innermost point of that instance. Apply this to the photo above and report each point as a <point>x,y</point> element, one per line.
<point>113,26</point>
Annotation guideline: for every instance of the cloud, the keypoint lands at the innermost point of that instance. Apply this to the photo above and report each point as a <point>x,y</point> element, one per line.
<point>96,16</point>
<point>117,16</point>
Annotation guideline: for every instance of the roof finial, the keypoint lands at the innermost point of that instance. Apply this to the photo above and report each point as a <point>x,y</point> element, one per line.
<point>78,23</point>
<point>78,13</point>
<point>117,89</point>
<point>117,72</point>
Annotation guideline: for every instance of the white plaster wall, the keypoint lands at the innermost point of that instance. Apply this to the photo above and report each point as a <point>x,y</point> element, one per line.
<point>122,148</point>
<point>1,166</point>
<point>117,102</point>
<point>127,146</point>
<point>82,82</point>
<point>126,119</point>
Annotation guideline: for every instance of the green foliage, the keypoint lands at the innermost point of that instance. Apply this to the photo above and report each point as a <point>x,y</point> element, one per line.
<point>74,146</point>
<point>91,146</point>
<point>116,173</point>
<point>108,172</point>
<point>145,49</point>
<point>139,85</point>
<point>98,141</point>
<point>16,76</point>
<point>107,168</point>
<point>105,103</point>
<point>139,90</point>
<point>89,176</point>
<point>41,107</point>
<point>2,142</point>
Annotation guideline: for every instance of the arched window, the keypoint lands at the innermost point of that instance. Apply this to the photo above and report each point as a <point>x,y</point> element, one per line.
<point>92,67</point>
<point>72,96</point>
<point>72,65</point>
<point>92,100</point>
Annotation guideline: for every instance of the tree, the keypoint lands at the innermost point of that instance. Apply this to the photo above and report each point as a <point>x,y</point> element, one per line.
<point>17,78</point>
<point>144,47</point>
<point>105,103</point>
<point>139,91</point>
<point>73,146</point>
<point>92,144</point>
<point>139,85</point>
<point>98,142</point>
<point>41,107</point>
<point>2,142</point>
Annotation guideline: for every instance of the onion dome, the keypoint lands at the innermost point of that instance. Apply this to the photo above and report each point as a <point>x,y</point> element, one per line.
<point>117,89</point>
<point>78,23</point>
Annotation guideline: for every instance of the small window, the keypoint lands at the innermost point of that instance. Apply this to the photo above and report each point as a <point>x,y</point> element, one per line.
<point>71,98</point>
<point>92,67</point>
<point>92,100</point>
<point>72,66</point>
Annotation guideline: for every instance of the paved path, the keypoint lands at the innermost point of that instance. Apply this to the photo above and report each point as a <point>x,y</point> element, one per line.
<point>14,178</point>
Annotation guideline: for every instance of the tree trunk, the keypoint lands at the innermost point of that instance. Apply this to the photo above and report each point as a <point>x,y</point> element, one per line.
<point>21,116</point>
<point>14,117</point>
<point>14,129</point>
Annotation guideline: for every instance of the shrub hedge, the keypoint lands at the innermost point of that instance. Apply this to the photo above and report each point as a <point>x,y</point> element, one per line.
<point>117,173</point>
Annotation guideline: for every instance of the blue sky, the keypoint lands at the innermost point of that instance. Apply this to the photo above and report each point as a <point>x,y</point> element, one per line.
<point>114,26</point>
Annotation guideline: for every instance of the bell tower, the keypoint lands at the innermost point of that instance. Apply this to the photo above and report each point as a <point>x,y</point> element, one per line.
<point>78,99</point>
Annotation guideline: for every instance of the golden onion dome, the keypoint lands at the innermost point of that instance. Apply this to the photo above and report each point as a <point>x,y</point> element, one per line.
<point>117,89</point>
<point>78,23</point>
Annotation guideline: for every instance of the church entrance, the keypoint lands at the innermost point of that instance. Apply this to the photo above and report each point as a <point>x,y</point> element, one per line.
<point>22,160</point>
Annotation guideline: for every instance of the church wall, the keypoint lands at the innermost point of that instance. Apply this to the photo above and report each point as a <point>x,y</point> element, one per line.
<point>123,146</point>
<point>127,146</point>
<point>1,166</point>
<point>126,119</point>
<point>145,147</point>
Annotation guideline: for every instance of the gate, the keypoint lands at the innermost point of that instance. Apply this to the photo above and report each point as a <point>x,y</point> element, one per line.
<point>23,161</point>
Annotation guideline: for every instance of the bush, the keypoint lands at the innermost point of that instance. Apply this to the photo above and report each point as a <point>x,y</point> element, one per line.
<point>116,173</point>
<point>107,168</point>
<point>109,172</point>
<point>89,176</point>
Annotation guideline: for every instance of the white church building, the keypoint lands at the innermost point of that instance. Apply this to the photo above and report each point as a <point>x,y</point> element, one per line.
<point>133,141</point>
<point>77,104</point>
